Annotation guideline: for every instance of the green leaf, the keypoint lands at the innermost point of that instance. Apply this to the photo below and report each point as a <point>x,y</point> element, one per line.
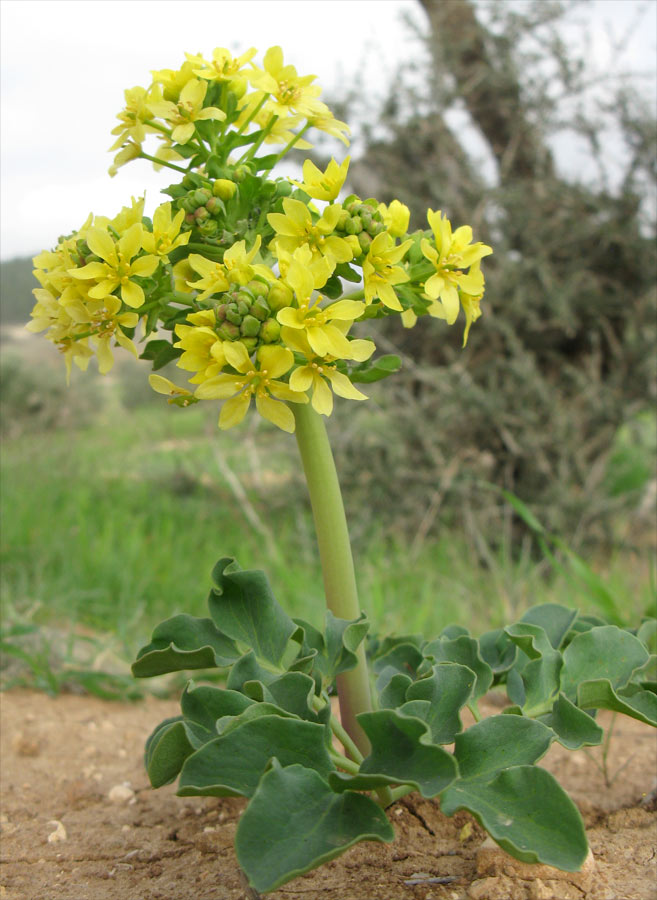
<point>232,764</point>
<point>499,742</point>
<point>463,650</point>
<point>295,823</point>
<point>247,668</point>
<point>647,634</point>
<point>375,370</point>
<point>526,811</point>
<point>447,690</point>
<point>403,658</point>
<point>243,606</point>
<point>573,726</point>
<point>402,751</point>
<point>205,704</point>
<point>637,704</point>
<point>184,642</point>
<point>160,352</point>
<point>167,750</point>
<point>498,650</point>
<point>393,692</point>
<point>554,619</point>
<point>342,639</point>
<point>605,652</point>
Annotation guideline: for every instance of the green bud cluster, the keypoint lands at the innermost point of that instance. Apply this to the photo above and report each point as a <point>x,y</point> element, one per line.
<point>248,313</point>
<point>361,218</point>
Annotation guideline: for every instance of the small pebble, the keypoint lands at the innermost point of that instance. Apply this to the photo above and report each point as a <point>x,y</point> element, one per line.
<point>59,834</point>
<point>120,794</point>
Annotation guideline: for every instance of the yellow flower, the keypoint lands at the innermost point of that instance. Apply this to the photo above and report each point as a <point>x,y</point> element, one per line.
<point>174,80</point>
<point>289,91</point>
<point>320,373</point>
<point>323,185</point>
<point>213,276</point>
<point>296,228</point>
<point>327,123</point>
<point>166,232</point>
<point>118,268</point>
<point>380,272</point>
<point>126,154</point>
<point>204,353</point>
<point>187,110</point>
<point>132,117</point>
<point>178,395</point>
<point>451,256</point>
<point>239,264</point>
<point>395,217</point>
<point>259,379</point>
<point>224,66</point>
<point>325,336</point>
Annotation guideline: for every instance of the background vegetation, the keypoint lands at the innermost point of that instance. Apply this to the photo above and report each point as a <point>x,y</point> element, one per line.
<point>116,505</point>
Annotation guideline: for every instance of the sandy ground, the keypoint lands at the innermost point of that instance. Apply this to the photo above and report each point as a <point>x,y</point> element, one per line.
<point>79,821</point>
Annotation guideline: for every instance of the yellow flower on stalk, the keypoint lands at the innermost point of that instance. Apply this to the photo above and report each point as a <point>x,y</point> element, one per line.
<point>204,351</point>
<point>395,217</point>
<point>239,264</point>
<point>289,91</point>
<point>173,81</point>
<point>295,228</point>
<point>323,327</point>
<point>126,154</point>
<point>132,118</point>
<point>119,266</point>
<point>178,395</point>
<point>188,110</point>
<point>327,123</point>
<point>165,236</point>
<point>380,271</point>
<point>323,185</point>
<point>259,379</point>
<point>223,67</point>
<point>213,276</point>
<point>320,374</point>
<point>451,256</point>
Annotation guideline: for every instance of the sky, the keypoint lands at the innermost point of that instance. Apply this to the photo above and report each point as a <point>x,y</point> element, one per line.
<point>64,65</point>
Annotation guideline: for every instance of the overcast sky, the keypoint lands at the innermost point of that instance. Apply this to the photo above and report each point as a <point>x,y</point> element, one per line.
<point>66,63</point>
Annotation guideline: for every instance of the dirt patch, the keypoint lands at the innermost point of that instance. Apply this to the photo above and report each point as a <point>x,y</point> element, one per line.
<point>79,821</point>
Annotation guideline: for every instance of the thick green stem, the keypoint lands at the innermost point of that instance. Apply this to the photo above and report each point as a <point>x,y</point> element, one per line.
<point>336,559</point>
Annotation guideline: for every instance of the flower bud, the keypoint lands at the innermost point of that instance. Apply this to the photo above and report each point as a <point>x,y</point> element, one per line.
<point>250,326</point>
<point>220,313</point>
<point>243,307</point>
<point>201,196</point>
<point>250,343</point>
<point>228,332</point>
<point>270,331</point>
<point>224,189</point>
<point>238,86</point>
<point>208,228</point>
<point>342,221</point>
<point>354,225</point>
<point>189,218</point>
<point>242,172</point>
<point>260,309</point>
<point>279,296</point>
<point>201,213</point>
<point>258,288</point>
<point>364,241</point>
<point>283,188</point>
<point>232,314</point>
<point>213,205</point>
<point>188,203</point>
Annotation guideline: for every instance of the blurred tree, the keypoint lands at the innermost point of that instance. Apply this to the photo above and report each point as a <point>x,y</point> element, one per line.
<point>564,353</point>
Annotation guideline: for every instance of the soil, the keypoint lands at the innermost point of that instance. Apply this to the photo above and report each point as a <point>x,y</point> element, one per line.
<point>79,821</point>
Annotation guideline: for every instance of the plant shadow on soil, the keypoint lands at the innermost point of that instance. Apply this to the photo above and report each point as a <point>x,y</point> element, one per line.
<point>80,822</point>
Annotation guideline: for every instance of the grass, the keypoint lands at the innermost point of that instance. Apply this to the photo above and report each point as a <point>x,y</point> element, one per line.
<point>112,527</point>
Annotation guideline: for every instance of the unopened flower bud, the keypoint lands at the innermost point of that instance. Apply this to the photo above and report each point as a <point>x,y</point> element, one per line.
<point>283,188</point>
<point>224,189</point>
<point>270,331</point>
<point>213,205</point>
<point>354,225</point>
<point>238,86</point>
<point>250,326</point>
<point>228,332</point>
<point>260,309</point>
<point>242,172</point>
<point>201,213</point>
<point>232,314</point>
<point>188,203</point>
<point>279,296</point>
<point>201,196</point>
<point>258,288</point>
<point>364,241</point>
<point>208,228</point>
<point>220,313</point>
<point>189,218</point>
<point>249,342</point>
<point>243,307</point>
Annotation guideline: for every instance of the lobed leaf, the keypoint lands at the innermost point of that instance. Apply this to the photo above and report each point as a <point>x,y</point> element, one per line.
<point>634,702</point>
<point>184,642</point>
<point>243,606</point>
<point>446,691</point>
<point>604,652</point>
<point>573,727</point>
<point>233,764</point>
<point>463,650</point>
<point>295,823</point>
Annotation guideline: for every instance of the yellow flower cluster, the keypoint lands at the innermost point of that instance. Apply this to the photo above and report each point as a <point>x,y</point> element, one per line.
<point>174,107</point>
<point>245,272</point>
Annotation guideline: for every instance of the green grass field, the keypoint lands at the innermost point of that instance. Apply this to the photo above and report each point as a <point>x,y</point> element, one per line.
<point>110,527</point>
